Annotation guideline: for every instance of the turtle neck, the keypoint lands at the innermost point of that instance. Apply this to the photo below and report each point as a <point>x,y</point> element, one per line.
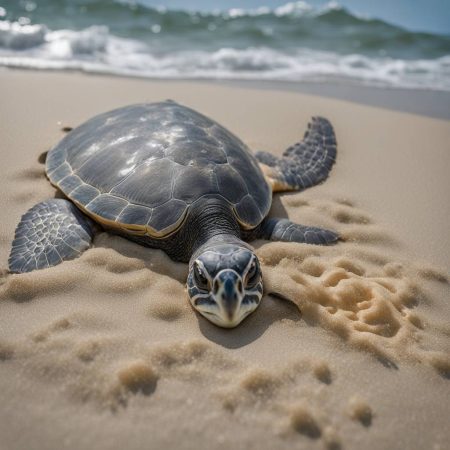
<point>212,222</point>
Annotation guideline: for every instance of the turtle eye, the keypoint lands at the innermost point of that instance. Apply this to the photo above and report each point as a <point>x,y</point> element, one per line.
<point>200,279</point>
<point>252,275</point>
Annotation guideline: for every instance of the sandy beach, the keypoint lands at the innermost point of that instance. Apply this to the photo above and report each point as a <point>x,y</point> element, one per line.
<point>105,351</point>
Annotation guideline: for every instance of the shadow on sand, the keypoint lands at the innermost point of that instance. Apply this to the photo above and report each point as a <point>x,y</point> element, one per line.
<point>271,310</point>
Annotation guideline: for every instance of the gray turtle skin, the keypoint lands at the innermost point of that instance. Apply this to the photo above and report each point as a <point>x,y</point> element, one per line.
<point>168,177</point>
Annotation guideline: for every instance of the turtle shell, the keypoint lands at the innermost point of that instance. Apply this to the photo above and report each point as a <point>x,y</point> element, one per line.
<point>141,167</point>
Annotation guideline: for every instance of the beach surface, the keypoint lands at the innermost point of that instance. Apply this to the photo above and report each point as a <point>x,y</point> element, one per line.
<point>105,351</point>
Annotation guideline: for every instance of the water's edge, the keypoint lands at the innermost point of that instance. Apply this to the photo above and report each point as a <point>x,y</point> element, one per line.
<point>424,102</point>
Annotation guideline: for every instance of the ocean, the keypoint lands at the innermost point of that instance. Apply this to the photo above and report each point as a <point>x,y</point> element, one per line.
<point>293,42</point>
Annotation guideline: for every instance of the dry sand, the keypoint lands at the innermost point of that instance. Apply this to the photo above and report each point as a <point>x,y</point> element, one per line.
<point>105,352</point>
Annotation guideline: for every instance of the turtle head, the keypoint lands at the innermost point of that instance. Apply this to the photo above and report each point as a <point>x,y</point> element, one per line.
<point>225,284</point>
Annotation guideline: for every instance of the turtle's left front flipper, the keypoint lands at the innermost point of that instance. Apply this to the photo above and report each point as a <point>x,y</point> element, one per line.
<point>49,233</point>
<point>304,164</point>
<point>286,231</point>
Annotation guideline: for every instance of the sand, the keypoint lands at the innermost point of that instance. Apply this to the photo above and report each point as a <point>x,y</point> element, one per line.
<point>105,352</point>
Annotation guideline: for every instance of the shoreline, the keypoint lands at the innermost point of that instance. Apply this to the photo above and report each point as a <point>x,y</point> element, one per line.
<point>424,102</point>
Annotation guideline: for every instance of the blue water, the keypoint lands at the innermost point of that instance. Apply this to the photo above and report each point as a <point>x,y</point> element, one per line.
<point>292,42</point>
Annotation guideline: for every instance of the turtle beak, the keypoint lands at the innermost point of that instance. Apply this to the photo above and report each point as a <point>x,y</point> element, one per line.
<point>228,293</point>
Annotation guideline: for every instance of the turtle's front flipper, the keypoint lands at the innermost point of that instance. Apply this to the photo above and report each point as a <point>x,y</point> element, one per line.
<point>49,233</point>
<point>304,164</point>
<point>287,231</point>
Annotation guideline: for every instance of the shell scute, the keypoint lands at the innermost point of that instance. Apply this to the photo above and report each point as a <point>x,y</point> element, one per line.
<point>83,194</point>
<point>150,184</point>
<point>70,183</point>
<point>166,216</point>
<point>231,185</point>
<point>107,206</point>
<point>196,153</point>
<point>192,182</point>
<point>135,215</point>
<point>248,209</point>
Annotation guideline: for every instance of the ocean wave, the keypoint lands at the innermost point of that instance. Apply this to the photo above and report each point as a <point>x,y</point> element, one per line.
<point>95,49</point>
<point>330,27</point>
<point>294,42</point>
<point>14,35</point>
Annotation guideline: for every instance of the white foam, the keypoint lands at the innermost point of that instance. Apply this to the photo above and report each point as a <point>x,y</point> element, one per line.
<point>94,49</point>
<point>14,35</point>
<point>293,8</point>
<point>296,9</point>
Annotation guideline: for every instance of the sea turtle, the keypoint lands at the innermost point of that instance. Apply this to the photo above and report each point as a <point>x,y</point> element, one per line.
<point>168,177</point>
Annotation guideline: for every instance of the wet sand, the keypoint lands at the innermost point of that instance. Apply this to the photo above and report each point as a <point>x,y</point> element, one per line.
<point>431,103</point>
<point>105,351</point>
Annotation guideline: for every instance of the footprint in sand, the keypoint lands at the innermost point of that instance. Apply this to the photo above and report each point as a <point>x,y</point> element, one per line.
<point>351,289</point>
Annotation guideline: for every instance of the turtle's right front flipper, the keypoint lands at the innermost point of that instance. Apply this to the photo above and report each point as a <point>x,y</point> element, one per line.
<point>284,230</point>
<point>49,233</point>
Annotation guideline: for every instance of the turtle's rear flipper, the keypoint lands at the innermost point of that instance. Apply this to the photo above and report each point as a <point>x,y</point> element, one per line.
<point>304,164</point>
<point>49,233</point>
